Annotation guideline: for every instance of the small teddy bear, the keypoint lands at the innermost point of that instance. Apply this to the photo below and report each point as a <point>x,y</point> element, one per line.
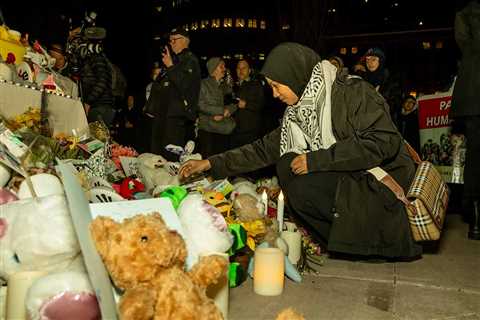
<point>146,260</point>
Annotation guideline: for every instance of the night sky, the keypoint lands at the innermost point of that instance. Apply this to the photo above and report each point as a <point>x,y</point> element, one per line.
<point>130,24</point>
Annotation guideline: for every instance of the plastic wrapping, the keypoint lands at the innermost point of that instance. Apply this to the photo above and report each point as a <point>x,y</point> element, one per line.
<point>61,296</point>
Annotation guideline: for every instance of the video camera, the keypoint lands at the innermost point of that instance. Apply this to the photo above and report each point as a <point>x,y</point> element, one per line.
<point>84,40</point>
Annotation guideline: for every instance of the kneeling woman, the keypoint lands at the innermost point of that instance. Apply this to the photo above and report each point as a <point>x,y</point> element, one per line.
<point>334,129</point>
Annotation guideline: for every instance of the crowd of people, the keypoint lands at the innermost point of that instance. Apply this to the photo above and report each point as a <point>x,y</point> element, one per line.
<point>338,123</point>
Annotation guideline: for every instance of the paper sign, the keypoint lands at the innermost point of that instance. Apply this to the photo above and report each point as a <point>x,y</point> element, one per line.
<point>80,212</point>
<point>127,209</point>
<point>129,165</point>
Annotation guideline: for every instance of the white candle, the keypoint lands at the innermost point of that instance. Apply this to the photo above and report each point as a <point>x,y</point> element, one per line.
<point>280,209</point>
<point>18,285</point>
<point>294,242</point>
<point>265,203</point>
<point>268,271</point>
<point>219,292</point>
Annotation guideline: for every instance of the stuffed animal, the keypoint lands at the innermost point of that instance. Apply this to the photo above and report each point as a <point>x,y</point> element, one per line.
<point>38,235</point>
<point>218,200</point>
<point>154,171</point>
<point>205,228</point>
<point>247,207</point>
<point>146,260</point>
<point>289,314</point>
<point>242,186</point>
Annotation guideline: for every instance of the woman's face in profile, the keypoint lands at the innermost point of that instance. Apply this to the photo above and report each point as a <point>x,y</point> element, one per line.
<point>283,92</point>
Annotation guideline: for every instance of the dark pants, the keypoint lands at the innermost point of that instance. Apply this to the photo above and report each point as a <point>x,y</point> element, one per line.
<point>212,143</point>
<point>471,189</point>
<point>167,131</point>
<point>310,198</point>
<point>103,113</point>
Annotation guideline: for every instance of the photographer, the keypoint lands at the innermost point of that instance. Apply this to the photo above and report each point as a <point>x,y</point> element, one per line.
<point>91,69</point>
<point>174,96</point>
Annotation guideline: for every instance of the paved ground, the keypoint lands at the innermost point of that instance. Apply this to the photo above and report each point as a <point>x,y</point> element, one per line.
<point>442,285</point>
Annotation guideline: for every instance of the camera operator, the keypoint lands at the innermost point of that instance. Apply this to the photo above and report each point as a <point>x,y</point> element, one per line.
<point>96,77</point>
<point>174,96</point>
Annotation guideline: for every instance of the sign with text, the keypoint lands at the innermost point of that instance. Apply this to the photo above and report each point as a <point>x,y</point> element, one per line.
<point>437,144</point>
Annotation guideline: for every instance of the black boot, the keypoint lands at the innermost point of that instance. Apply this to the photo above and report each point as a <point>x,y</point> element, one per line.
<point>474,227</point>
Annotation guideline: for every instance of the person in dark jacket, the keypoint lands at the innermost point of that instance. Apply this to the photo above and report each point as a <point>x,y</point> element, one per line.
<point>96,81</point>
<point>249,92</point>
<point>466,106</point>
<point>173,100</point>
<point>407,122</point>
<point>334,129</point>
<point>382,80</point>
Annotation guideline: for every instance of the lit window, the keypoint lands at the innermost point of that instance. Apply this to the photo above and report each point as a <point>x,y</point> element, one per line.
<point>263,24</point>
<point>252,23</point>
<point>173,3</point>
<point>239,22</point>
<point>215,23</point>
<point>261,56</point>
<point>204,24</point>
<point>227,22</point>
<point>159,8</point>
<point>194,26</point>
<point>354,50</point>
<point>238,56</point>
<point>285,27</point>
<point>343,50</point>
<point>439,45</point>
<point>426,45</point>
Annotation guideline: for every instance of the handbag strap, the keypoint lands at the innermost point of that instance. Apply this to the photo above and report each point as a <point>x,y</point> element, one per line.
<point>415,157</point>
<point>385,178</point>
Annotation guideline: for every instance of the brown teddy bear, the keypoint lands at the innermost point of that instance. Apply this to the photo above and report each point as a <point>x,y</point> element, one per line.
<point>146,260</point>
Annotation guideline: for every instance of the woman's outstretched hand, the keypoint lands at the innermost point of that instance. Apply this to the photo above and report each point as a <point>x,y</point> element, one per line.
<point>299,164</point>
<point>192,167</point>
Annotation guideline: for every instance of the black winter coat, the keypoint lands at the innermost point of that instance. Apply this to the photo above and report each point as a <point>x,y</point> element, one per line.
<point>466,94</point>
<point>96,79</point>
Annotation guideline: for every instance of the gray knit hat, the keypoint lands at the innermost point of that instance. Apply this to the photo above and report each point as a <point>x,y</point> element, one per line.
<point>212,64</point>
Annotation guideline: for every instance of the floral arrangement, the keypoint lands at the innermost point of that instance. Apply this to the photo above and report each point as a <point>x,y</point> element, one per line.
<point>121,151</point>
<point>29,119</point>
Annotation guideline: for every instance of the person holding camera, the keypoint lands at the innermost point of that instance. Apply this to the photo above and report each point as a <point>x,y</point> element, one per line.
<point>174,96</point>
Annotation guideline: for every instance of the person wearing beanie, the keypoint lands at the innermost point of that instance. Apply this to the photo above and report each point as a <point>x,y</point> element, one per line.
<point>379,77</point>
<point>173,100</point>
<point>215,122</point>
<point>212,65</point>
<point>335,128</point>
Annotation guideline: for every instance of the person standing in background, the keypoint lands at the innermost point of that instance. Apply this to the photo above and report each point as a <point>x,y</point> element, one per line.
<point>466,107</point>
<point>173,100</point>
<point>250,95</point>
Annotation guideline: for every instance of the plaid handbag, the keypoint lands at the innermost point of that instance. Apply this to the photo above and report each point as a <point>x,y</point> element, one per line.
<point>426,200</point>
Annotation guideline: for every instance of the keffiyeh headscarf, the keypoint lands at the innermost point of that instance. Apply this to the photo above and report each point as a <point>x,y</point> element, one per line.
<point>306,126</point>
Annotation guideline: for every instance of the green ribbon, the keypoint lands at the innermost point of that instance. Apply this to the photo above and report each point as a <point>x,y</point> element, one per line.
<point>236,275</point>
<point>239,238</point>
<point>176,194</point>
